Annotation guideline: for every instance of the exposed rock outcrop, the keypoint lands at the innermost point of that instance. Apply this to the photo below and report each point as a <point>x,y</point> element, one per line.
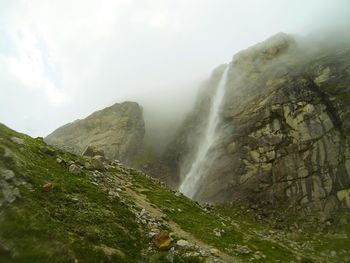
<point>284,132</point>
<point>118,131</point>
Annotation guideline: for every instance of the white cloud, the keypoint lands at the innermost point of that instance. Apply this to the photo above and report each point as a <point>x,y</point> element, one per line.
<point>29,66</point>
<point>69,58</point>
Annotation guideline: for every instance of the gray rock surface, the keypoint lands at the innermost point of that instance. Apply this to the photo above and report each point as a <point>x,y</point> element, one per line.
<point>284,132</point>
<point>118,131</point>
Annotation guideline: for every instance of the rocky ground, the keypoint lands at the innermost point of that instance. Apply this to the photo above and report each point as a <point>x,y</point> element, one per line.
<point>59,207</point>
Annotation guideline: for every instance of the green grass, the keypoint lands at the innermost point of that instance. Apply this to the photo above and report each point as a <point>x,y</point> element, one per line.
<point>77,220</point>
<point>201,224</point>
<point>72,221</point>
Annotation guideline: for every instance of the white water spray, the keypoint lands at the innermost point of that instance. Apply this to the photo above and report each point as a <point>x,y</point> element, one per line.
<point>189,185</point>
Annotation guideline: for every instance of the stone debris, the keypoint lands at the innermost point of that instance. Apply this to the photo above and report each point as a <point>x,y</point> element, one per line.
<point>241,249</point>
<point>218,232</point>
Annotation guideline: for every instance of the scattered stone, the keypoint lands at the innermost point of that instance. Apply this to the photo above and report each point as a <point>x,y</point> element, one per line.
<point>74,169</point>
<point>48,187</point>
<point>214,252</point>
<point>60,161</point>
<point>8,174</point>
<point>241,249</point>
<point>217,232</point>
<point>9,192</point>
<point>143,212</point>
<point>258,255</point>
<point>204,253</point>
<point>182,243</point>
<point>162,240</point>
<point>17,140</point>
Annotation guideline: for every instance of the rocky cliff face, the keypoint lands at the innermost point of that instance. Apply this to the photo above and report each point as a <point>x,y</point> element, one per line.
<point>117,130</point>
<point>284,134</point>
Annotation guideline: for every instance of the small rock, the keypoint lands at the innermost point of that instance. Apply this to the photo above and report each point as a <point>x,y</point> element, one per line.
<point>162,240</point>
<point>48,187</point>
<point>215,252</point>
<point>143,212</point>
<point>17,140</point>
<point>9,192</point>
<point>182,243</point>
<point>204,253</point>
<point>7,174</point>
<point>217,232</point>
<point>242,249</point>
<point>60,161</point>
<point>74,169</point>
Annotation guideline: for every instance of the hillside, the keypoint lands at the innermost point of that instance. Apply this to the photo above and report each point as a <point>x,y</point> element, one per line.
<point>56,207</point>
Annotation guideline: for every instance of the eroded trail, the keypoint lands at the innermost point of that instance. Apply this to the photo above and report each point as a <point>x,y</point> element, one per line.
<point>143,203</point>
<point>153,218</point>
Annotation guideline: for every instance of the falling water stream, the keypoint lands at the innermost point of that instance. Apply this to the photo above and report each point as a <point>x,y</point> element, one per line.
<point>191,180</point>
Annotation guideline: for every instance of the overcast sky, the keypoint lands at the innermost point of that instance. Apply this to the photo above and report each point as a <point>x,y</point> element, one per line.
<point>63,59</point>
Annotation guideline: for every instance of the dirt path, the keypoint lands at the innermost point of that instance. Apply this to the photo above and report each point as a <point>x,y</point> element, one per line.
<point>142,202</point>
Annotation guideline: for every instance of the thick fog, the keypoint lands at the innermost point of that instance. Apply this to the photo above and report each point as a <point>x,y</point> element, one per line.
<point>62,60</point>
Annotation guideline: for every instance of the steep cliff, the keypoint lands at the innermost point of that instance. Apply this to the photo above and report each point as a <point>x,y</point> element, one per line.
<point>117,130</point>
<point>284,133</point>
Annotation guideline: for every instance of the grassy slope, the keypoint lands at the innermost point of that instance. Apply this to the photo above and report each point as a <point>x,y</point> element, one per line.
<point>71,221</point>
<point>77,220</point>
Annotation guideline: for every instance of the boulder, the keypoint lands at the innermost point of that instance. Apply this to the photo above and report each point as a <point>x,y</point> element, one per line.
<point>162,240</point>
<point>91,152</point>
<point>7,174</point>
<point>17,140</point>
<point>182,243</point>
<point>97,163</point>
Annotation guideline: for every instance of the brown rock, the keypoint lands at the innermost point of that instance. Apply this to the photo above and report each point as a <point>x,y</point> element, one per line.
<point>162,240</point>
<point>48,187</point>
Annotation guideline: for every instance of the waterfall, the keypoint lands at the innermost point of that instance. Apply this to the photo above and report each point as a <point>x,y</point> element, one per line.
<point>190,182</point>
